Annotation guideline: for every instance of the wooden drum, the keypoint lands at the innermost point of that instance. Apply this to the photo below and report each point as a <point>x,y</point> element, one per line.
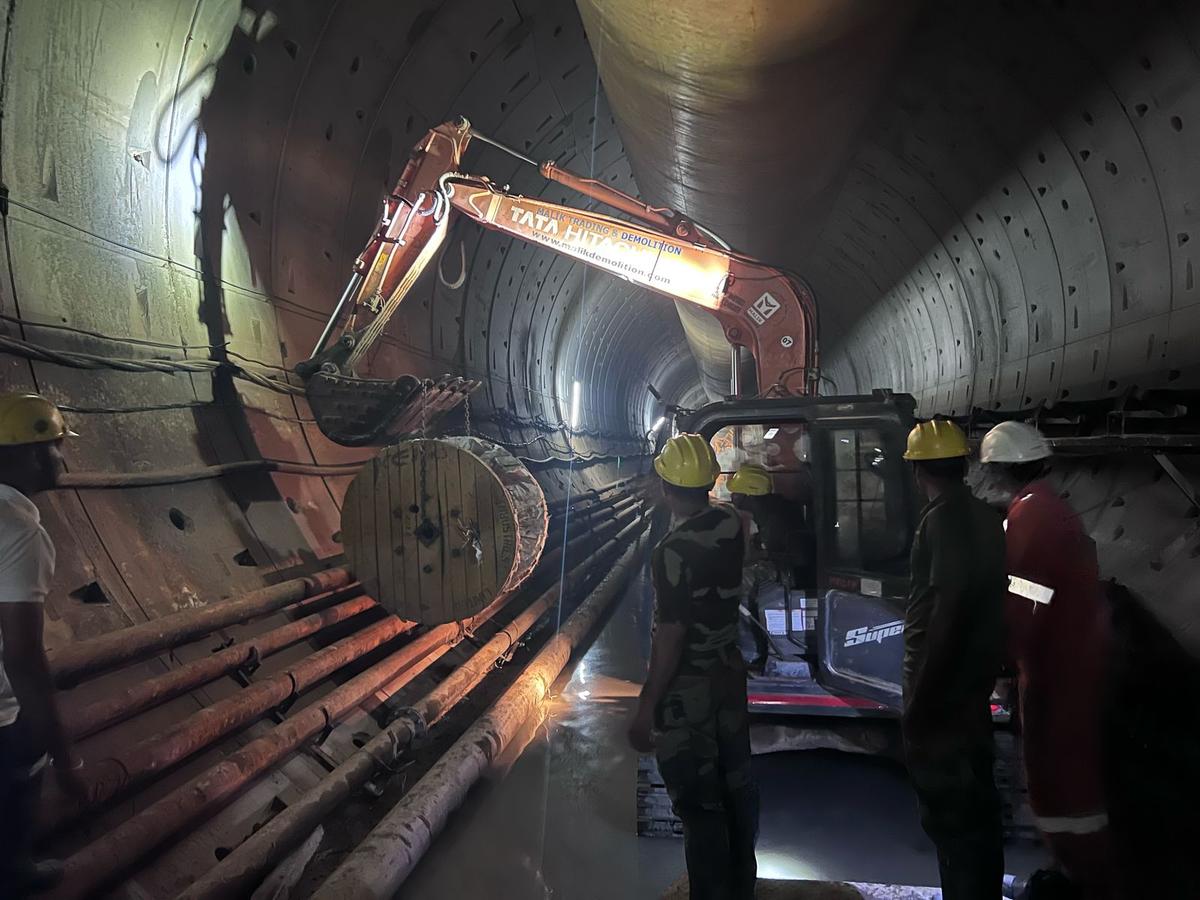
<point>436,529</point>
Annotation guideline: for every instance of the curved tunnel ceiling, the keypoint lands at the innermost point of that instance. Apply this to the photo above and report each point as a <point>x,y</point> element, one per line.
<point>1017,224</point>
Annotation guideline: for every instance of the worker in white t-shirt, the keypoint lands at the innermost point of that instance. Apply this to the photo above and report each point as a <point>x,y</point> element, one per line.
<point>31,734</point>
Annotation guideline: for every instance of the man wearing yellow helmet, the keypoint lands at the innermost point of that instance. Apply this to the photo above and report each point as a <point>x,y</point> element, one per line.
<point>31,432</point>
<point>774,546</point>
<point>694,698</point>
<point>953,650</point>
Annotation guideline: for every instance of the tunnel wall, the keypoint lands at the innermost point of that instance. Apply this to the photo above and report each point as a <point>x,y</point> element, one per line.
<point>1019,223</point>
<point>193,180</point>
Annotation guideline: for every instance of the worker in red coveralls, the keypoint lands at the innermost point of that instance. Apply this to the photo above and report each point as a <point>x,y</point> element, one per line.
<point>1059,641</point>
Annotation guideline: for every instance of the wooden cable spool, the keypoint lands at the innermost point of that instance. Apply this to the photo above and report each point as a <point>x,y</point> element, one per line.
<point>443,552</point>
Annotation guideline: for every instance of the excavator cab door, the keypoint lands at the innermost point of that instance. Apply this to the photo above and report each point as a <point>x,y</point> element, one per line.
<point>866,514</point>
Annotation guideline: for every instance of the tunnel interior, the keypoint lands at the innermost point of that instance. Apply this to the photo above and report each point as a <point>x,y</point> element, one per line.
<point>993,204</point>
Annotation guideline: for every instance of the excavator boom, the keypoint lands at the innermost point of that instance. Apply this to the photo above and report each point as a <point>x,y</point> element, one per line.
<point>766,310</point>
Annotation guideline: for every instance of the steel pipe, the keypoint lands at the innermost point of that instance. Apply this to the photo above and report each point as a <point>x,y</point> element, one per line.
<point>119,849</point>
<point>86,719</point>
<point>140,761</point>
<point>465,677</point>
<point>381,863</point>
<point>590,493</point>
<point>552,559</point>
<point>250,862</point>
<point>590,513</point>
<point>102,861</point>
<point>76,662</point>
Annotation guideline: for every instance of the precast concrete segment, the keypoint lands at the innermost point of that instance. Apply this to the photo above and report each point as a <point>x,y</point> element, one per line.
<point>1011,232</point>
<point>726,115</point>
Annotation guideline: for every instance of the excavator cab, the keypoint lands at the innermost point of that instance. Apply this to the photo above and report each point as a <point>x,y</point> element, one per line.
<point>834,617</point>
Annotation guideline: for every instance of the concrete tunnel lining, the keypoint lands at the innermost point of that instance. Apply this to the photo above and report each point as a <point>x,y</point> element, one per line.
<point>1007,219</point>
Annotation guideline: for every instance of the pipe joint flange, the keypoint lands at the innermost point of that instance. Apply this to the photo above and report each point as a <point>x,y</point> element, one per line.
<point>416,722</point>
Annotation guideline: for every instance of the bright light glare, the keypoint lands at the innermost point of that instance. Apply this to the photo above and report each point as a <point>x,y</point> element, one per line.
<point>781,867</point>
<point>575,393</point>
<point>771,432</point>
<point>662,420</point>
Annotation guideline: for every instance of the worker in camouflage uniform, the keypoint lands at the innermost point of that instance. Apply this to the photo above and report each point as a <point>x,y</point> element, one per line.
<point>694,699</point>
<point>773,526</point>
<point>953,650</point>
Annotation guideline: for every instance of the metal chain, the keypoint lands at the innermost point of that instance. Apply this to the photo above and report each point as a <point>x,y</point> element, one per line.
<point>467,413</point>
<point>424,425</point>
<point>424,406</point>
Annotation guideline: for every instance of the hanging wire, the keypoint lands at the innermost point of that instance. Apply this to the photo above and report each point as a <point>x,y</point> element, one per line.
<point>562,575</point>
<point>74,359</point>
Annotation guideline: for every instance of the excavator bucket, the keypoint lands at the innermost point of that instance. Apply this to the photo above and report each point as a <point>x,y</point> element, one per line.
<point>362,412</point>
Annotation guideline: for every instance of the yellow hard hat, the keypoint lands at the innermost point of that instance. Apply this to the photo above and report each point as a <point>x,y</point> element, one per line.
<point>687,461</point>
<point>30,419</point>
<point>751,480</point>
<point>940,439</point>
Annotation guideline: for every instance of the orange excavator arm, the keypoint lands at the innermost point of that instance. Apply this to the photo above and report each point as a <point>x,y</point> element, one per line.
<point>764,309</point>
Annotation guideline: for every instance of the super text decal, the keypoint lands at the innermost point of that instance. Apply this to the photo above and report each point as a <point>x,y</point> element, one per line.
<point>873,634</point>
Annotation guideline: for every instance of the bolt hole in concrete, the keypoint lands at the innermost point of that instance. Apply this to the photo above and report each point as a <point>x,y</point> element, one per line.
<point>181,520</point>
<point>245,558</point>
<point>92,592</point>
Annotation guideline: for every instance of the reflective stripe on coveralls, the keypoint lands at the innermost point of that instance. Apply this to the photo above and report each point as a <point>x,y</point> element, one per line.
<point>1072,824</point>
<point>1059,639</point>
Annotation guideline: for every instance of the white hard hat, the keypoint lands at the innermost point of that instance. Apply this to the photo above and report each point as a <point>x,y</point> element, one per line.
<point>1014,442</point>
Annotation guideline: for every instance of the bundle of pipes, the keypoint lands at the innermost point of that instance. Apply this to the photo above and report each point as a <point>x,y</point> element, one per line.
<point>87,719</point>
<point>82,660</point>
<point>381,863</point>
<point>249,863</point>
<point>86,659</point>
<point>611,506</point>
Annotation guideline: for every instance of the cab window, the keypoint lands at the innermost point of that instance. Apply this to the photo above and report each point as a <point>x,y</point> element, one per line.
<point>782,450</point>
<point>872,528</point>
